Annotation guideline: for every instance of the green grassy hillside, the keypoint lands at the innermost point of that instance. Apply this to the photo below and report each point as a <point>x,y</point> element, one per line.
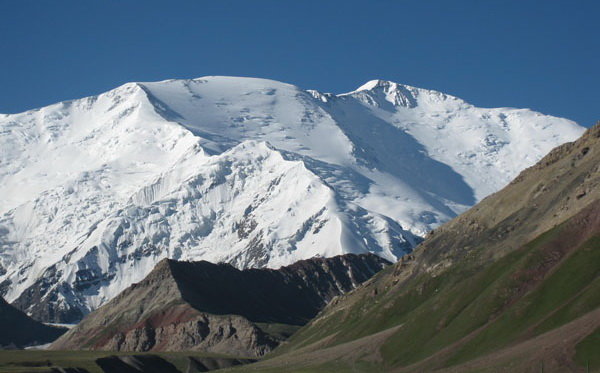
<point>535,289</point>
<point>511,284</point>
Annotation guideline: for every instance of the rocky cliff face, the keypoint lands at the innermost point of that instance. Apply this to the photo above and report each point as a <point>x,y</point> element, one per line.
<point>217,308</point>
<point>227,334</point>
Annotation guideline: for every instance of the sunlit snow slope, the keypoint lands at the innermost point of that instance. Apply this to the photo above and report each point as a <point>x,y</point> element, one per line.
<point>94,192</point>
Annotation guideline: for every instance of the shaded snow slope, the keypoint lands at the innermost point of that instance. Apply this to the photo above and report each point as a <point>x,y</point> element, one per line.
<point>94,192</point>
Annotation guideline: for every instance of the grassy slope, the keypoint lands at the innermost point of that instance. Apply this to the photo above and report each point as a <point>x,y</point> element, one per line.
<point>474,287</point>
<point>588,351</point>
<point>466,315</point>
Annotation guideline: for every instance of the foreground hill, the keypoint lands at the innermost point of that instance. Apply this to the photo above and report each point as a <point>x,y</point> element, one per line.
<point>257,173</point>
<point>45,361</point>
<point>18,330</point>
<point>512,284</point>
<point>200,306</point>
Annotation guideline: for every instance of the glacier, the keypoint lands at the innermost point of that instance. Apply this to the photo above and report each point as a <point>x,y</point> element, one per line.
<point>254,172</point>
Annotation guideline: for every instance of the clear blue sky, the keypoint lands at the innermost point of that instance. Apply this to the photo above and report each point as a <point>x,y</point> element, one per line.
<point>539,54</point>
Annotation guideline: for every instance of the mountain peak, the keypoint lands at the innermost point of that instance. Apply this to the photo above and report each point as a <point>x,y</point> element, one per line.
<point>381,93</point>
<point>376,83</point>
<point>253,172</point>
<point>385,86</point>
<point>401,94</point>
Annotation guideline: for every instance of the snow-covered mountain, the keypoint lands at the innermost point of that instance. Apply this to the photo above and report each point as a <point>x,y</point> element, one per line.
<point>94,192</point>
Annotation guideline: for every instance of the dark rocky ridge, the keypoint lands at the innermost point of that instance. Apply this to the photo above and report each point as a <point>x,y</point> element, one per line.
<point>217,308</point>
<point>289,295</point>
<point>18,330</point>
